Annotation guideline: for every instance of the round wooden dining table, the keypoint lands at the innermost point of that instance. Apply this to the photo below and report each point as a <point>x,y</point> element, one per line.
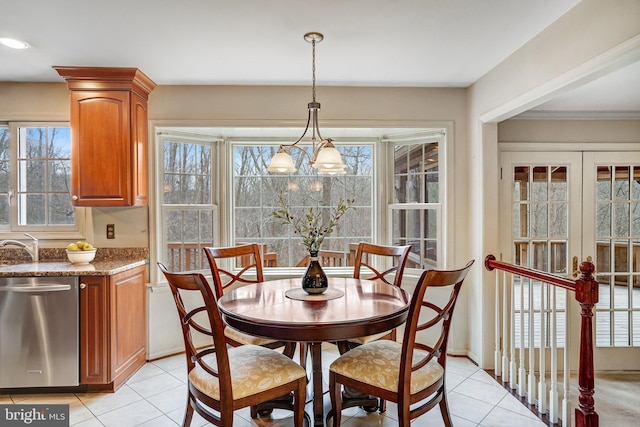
<point>350,308</point>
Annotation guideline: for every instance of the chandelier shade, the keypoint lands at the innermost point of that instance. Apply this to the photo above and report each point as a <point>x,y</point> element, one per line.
<point>324,158</point>
<point>281,162</point>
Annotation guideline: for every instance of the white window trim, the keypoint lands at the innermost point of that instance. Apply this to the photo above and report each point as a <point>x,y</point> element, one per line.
<point>157,218</point>
<point>442,135</point>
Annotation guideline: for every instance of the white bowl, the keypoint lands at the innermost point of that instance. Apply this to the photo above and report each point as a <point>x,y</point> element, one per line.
<point>81,257</point>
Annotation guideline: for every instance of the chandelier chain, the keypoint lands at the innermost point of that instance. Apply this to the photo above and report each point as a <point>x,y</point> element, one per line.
<point>313,69</point>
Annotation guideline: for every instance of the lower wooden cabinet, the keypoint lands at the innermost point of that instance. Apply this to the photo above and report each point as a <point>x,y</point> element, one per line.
<point>112,328</point>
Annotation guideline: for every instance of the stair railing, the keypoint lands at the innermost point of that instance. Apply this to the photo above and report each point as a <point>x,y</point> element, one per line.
<point>585,288</point>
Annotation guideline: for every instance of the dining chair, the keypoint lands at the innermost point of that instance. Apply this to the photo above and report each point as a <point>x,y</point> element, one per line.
<point>411,373</point>
<point>222,379</point>
<point>380,263</point>
<point>247,259</point>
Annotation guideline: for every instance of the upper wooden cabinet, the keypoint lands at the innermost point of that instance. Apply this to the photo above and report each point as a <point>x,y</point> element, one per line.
<point>109,131</point>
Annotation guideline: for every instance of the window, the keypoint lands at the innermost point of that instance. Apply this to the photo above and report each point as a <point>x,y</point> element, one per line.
<point>35,178</point>
<point>416,212</point>
<point>255,197</point>
<point>189,217</point>
<point>215,190</point>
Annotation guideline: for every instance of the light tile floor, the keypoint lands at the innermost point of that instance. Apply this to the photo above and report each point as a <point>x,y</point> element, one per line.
<point>156,397</point>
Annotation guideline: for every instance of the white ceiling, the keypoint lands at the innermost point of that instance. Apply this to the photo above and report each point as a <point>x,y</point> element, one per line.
<point>254,42</point>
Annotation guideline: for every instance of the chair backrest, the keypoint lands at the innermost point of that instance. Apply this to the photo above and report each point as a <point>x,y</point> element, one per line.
<point>246,257</point>
<point>369,253</point>
<point>438,317</point>
<point>182,284</point>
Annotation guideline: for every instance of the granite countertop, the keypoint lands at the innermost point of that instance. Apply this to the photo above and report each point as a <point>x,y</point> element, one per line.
<point>65,268</point>
<point>53,262</point>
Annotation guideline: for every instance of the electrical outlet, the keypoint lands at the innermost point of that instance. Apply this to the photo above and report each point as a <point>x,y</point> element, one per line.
<point>111,231</point>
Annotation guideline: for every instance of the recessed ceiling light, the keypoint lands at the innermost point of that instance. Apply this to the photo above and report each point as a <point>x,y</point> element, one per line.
<point>13,43</point>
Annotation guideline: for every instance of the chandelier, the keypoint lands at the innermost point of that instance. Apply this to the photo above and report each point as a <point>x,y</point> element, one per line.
<point>324,157</point>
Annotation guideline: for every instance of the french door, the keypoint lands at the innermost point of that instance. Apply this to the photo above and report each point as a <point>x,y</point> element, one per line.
<point>564,207</point>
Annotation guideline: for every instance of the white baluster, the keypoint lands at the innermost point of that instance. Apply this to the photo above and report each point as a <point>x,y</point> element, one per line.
<point>505,328</point>
<point>522,372</point>
<point>553,392</point>
<point>542,384</point>
<point>531,381</point>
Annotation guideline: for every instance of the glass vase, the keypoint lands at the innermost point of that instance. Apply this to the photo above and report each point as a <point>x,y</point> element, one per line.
<point>314,280</point>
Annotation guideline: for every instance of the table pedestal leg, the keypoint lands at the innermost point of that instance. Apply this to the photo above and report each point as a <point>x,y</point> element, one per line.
<point>316,364</point>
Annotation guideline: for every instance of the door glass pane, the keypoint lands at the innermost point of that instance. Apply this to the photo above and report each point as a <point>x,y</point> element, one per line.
<point>539,224</point>
<point>603,256</point>
<point>559,258</point>
<point>558,186</point>
<point>603,220</point>
<point>621,185</point>
<point>539,186</point>
<point>520,182</point>
<point>520,222</point>
<point>621,219</point>
<point>604,297</point>
<point>621,255</point>
<point>521,253</point>
<point>540,256</point>
<point>603,184</point>
<point>558,220</point>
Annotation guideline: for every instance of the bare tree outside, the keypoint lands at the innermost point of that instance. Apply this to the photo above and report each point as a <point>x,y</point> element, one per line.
<point>256,197</point>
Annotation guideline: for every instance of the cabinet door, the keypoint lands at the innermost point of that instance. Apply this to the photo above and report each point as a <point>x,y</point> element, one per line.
<point>94,330</point>
<point>100,148</point>
<point>113,331</point>
<point>129,322</point>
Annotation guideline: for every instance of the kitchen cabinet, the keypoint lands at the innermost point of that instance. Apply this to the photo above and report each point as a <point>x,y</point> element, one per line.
<point>112,328</point>
<point>109,132</point>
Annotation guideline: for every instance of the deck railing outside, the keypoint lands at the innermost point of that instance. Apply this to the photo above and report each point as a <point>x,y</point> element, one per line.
<point>527,322</point>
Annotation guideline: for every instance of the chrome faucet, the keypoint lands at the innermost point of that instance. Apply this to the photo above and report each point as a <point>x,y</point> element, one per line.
<point>32,248</point>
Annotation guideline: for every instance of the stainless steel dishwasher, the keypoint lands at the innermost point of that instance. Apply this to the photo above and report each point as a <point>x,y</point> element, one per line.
<point>39,332</point>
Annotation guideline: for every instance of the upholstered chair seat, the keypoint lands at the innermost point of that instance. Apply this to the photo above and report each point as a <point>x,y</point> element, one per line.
<point>253,370</point>
<point>378,364</point>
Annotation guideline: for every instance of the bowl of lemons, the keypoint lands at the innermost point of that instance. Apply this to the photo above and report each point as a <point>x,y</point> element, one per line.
<point>81,252</point>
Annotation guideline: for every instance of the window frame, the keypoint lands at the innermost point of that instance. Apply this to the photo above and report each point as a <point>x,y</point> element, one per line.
<point>441,136</point>
<point>163,208</point>
<point>231,142</point>
<point>382,184</point>
<point>75,231</point>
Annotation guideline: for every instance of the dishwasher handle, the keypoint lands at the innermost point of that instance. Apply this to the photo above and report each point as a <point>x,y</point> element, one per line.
<point>28,289</point>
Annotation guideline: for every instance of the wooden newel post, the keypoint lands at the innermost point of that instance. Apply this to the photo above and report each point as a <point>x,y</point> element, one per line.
<point>587,297</point>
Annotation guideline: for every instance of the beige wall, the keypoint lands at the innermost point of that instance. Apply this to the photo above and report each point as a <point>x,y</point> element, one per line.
<point>569,131</point>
